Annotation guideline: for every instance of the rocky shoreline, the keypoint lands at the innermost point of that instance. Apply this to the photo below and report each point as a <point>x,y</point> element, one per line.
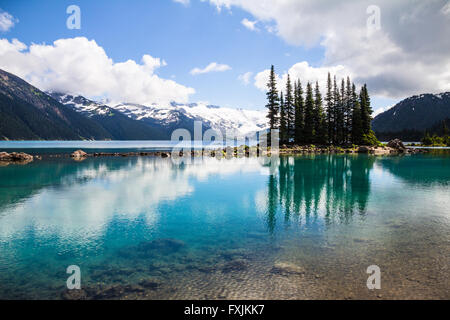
<point>394,147</point>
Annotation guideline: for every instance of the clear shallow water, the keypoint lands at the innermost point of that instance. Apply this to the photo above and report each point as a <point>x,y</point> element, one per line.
<point>227,229</point>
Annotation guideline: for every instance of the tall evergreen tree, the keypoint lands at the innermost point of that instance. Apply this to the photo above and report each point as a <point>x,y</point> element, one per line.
<point>272,100</point>
<point>343,102</point>
<point>290,110</point>
<point>357,130</point>
<point>320,130</point>
<point>338,116</point>
<point>283,121</point>
<point>299,113</point>
<point>308,131</point>
<point>369,137</point>
<point>366,110</point>
<point>348,110</point>
<point>330,110</point>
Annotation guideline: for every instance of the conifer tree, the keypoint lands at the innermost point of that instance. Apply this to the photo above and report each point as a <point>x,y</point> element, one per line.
<point>308,131</point>
<point>320,130</point>
<point>283,120</point>
<point>290,110</point>
<point>348,111</point>
<point>366,110</point>
<point>337,113</point>
<point>369,137</point>
<point>342,105</point>
<point>272,101</point>
<point>357,131</point>
<point>299,113</point>
<point>330,110</point>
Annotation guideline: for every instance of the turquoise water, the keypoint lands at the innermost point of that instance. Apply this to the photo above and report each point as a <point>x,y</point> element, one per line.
<point>227,229</point>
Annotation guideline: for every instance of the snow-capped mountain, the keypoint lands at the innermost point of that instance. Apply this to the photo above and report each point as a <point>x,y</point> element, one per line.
<point>237,122</point>
<point>81,104</point>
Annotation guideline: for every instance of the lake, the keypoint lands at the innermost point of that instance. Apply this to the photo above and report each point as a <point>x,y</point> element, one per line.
<point>146,228</point>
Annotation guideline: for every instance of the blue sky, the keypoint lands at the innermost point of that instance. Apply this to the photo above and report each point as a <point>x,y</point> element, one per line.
<point>184,36</point>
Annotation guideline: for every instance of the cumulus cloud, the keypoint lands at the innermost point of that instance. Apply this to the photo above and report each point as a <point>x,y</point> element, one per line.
<point>212,67</point>
<point>81,66</point>
<point>407,55</point>
<point>7,21</point>
<point>251,25</point>
<point>304,72</point>
<point>245,78</point>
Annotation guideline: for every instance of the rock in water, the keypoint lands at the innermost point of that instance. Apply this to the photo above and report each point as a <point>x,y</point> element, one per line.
<point>235,265</point>
<point>149,284</point>
<point>79,154</point>
<point>287,268</point>
<point>396,144</point>
<point>15,157</point>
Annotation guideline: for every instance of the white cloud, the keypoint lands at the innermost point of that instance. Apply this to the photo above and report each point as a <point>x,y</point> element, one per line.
<point>80,66</point>
<point>7,21</point>
<point>212,67</point>
<point>305,73</point>
<point>408,55</point>
<point>245,78</point>
<point>184,2</point>
<point>249,24</point>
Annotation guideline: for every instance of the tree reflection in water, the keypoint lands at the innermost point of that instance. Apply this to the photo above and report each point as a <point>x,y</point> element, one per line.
<point>332,186</point>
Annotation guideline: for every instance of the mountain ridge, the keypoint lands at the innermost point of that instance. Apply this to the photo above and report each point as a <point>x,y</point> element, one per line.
<point>415,113</point>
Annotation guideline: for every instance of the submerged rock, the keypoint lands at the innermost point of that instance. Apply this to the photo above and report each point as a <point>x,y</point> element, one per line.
<point>162,245</point>
<point>287,268</point>
<point>152,248</point>
<point>235,265</point>
<point>74,295</point>
<point>149,284</point>
<point>102,292</point>
<point>117,291</point>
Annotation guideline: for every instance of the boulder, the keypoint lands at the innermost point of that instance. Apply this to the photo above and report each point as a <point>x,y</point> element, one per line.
<point>15,157</point>
<point>381,151</point>
<point>364,149</point>
<point>4,156</point>
<point>396,144</point>
<point>79,154</point>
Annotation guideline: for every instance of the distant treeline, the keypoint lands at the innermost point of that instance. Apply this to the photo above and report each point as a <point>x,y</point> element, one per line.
<point>302,117</point>
<point>440,129</point>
